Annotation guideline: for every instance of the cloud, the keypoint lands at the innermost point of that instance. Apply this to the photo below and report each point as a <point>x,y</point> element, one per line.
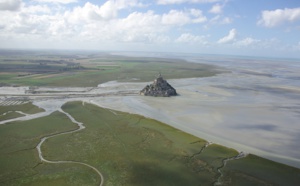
<point>10,5</point>
<point>139,27</point>
<point>226,20</point>
<point>166,2</point>
<point>142,27</point>
<point>190,38</point>
<point>229,38</point>
<point>260,45</point>
<point>57,1</point>
<point>247,42</point>
<point>198,16</point>
<point>90,12</point>
<point>220,20</point>
<point>141,20</point>
<point>273,18</point>
<point>95,23</point>
<point>36,9</point>
<point>216,9</point>
<point>175,17</point>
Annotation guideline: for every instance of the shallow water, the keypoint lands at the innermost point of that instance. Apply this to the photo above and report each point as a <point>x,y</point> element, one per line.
<point>255,108</point>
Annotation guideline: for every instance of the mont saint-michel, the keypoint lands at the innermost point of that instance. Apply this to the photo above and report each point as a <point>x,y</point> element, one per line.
<point>159,88</point>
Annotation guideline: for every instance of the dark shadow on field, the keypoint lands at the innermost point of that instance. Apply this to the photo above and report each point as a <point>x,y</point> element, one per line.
<point>254,170</point>
<point>145,173</point>
<point>167,168</point>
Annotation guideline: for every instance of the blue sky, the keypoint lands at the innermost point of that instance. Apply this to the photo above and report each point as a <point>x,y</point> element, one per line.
<point>235,27</point>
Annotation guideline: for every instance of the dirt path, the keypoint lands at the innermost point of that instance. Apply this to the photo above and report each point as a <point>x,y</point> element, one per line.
<point>81,127</point>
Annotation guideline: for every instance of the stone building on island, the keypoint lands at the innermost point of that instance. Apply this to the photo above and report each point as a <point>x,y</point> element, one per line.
<point>159,88</point>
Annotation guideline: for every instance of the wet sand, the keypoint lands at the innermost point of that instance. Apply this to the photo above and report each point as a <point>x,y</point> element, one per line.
<point>254,121</point>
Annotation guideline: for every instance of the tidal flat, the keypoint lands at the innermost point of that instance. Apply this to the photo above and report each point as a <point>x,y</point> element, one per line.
<point>256,112</point>
<point>250,105</point>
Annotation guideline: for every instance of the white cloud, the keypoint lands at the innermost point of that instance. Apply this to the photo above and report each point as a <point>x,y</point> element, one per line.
<point>36,9</point>
<point>229,38</point>
<point>220,20</point>
<point>226,20</point>
<point>87,13</point>
<point>198,16</point>
<point>91,23</point>
<point>57,1</point>
<point>273,44</point>
<point>273,18</point>
<point>11,5</point>
<point>247,42</point>
<point>165,2</point>
<point>147,27</point>
<point>91,12</point>
<point>190,38</point>
<point>94,23</point>
<point>141,20</point>
<point>107,11</point>
<point>139,27</point>
<point>175,17</point>
<point>216,9</point>
<point>136,27</point>
<point>196,12</point>
<point>121,4</point>
<point>150,27</point>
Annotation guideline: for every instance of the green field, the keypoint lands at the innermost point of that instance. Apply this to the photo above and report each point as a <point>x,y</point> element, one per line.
<point>19,160</point>
<point>84,70</point>
<point>127,149</point>
<point>9,112</point>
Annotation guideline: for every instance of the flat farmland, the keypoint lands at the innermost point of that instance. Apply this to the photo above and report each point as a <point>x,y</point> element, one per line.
<point>91,70</point>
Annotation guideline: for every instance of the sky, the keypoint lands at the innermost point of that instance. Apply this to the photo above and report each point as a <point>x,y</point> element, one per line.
<point>268,28</point>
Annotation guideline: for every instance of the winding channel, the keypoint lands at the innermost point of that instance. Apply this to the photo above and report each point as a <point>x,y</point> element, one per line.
<point>81,127</point>
<point>224,162</point>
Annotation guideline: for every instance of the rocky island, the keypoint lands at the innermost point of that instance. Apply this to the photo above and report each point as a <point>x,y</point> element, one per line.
<point>159,88</point>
